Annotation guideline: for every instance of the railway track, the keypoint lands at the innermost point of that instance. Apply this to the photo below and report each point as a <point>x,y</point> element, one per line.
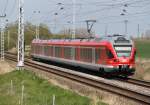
<point>92,82</point>
<point>135,82</point>
<point>127,80</point>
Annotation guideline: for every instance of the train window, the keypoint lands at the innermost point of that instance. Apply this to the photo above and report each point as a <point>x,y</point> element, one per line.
<point>86,54</point>
<point>46,50</point>
<point>57,51</point>
<point>97,55</point>
<point>37,48</point>
<point>50,51</point>
<point>67,52</point>
<point>76,54</point>
<point>123,54</point>
<point>41,50</point>
<point>109,54</point>
<point>35,51</point>
<point>123,50</point>
<point>32,49</point>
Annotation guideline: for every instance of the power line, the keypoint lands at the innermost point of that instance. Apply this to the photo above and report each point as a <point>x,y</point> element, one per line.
<point>11,13</point>
<point>5,7</point>
<point>106,8</point>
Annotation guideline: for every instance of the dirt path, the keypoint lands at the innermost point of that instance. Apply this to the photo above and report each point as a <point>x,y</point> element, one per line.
<point>5,67</point>
<point>143,69</point>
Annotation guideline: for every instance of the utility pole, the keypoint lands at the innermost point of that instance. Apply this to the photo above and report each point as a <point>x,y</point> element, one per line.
<point>74,20</point>
<point>138,31</point>
<point>37,31</point>
<point>2,37</point>
<point>55,21</point>
<point>8,38</point>
<point>106,30</point>
<point>73,28</point>
<point>126,27</point>
<point>20,64</point>
<point>37,26</point>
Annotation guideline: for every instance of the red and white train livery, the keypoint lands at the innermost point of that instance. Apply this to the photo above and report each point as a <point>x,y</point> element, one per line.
<point>112,54</point>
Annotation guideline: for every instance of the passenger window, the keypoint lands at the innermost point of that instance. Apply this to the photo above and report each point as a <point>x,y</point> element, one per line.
<point>109,54</point>
<point>97,55</point>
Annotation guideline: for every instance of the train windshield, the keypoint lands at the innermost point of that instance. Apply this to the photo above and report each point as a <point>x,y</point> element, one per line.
<point>123,50</point>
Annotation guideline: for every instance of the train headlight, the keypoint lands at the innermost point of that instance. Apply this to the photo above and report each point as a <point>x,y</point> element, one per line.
<point>124,60</point>
<point>116,60</point>
<point>131,67</point>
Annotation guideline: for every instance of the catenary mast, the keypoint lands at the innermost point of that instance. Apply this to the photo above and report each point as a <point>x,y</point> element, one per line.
<point>20,64</point>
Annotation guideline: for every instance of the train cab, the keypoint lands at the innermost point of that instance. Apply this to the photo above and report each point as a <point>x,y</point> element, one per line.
<point>122,54</point>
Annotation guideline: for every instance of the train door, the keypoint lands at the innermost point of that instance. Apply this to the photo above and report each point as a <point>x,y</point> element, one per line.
<point>100,55</point>
<point>103,55</point>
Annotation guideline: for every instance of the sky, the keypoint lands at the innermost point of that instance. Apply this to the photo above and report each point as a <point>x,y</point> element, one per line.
<point>109,14</point>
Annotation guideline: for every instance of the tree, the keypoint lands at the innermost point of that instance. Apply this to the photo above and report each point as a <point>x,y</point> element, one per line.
<point>29,33</point>
<point>80,33</point>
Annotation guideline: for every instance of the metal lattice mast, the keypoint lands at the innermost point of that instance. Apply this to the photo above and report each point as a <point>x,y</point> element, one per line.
<point>20,64</point>
<point>2,38</point>
<point>74,20</point>
<point>2,44</point>
<point>38,28</point>
<point>37,31</point>
<point>8,39</point>
<point>73,28</point>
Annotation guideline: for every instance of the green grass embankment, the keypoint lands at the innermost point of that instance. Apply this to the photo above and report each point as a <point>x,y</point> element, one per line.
<point>143,48</point>
<point>36,91</point>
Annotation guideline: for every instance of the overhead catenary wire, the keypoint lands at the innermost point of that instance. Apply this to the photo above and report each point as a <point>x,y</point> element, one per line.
<point>5,8</point>
<point>100,10</point>
<point>13,9</point>
<point>108,7</point>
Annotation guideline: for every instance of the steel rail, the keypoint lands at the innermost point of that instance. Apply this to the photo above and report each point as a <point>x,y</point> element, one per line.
<point>134,81</point>
<point>139,82</point>
<point>127,80</point>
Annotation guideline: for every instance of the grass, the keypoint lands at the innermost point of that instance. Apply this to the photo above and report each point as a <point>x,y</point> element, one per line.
<point>37,91</point>
<point>143,48</point>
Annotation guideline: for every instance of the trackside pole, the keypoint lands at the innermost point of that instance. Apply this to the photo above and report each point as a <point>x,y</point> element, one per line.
<point>11,87</point>
<point>20,64</point>
<point>53,99</point>
<point>2,36</point>
<point>22,94</point>
<point>73,28</point>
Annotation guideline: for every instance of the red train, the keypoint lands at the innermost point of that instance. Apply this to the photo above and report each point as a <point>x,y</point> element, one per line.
<point>113,55</point>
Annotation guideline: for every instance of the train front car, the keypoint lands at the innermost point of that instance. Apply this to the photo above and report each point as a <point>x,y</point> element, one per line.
<point>123,51</point>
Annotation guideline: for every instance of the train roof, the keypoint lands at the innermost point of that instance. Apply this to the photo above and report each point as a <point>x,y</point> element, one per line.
<point>113,39</point>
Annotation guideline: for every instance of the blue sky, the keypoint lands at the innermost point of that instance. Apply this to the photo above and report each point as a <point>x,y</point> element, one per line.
<point>106,12</point>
